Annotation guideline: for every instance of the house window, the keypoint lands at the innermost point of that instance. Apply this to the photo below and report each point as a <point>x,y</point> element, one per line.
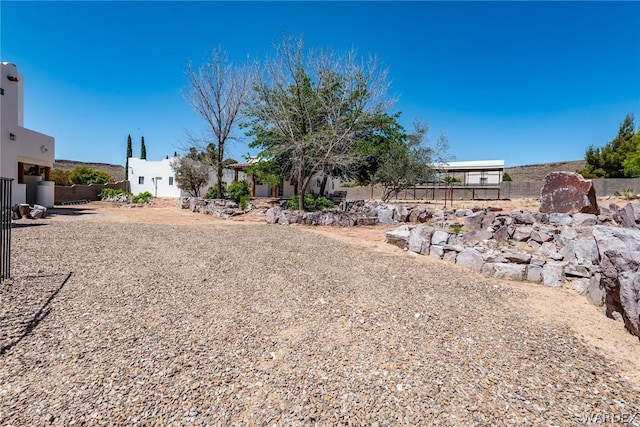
<point>1,91</point>
<point>170,180</point>
<point>483,180</point>
<point>141,180</point>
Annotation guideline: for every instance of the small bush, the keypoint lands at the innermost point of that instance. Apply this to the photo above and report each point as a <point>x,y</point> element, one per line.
<point>60,177</point>
<point>311,203</point>
<point>238,190</point>
<point>244,202</point>
<point>456,228</point>
<point>627,193</point>
<point>143,197</point>
<point>112,192</point>
<point>506,177</point>
<point>212,193</point>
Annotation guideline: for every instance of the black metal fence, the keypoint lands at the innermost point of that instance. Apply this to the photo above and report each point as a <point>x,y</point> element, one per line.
<point>5,228</point>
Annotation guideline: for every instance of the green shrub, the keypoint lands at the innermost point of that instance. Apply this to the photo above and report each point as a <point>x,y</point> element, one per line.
<point>457,228</point>
<point>143,197</point>
<point>238,190</point>
<point>112,192</point>
<point>244,202</point>
<point>212,193</point>
<point>86,175</point>
<point>627,193</point>
<point>311,202</point>
<point>506,177</point>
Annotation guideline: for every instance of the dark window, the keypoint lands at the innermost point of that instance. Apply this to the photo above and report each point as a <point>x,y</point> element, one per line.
<point>170,180</point>
<point>141,180</point>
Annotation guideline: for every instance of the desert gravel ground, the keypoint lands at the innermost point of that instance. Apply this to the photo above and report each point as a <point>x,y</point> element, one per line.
<point>145,317</point>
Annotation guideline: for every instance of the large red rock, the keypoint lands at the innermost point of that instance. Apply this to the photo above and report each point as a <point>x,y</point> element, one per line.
<point>567,192</point>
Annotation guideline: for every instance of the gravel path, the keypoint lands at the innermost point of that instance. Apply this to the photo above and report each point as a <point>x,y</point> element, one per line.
<point>152,324</point>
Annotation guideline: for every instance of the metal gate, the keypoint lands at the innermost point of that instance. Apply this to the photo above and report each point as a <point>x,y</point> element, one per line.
<point>5,228</point>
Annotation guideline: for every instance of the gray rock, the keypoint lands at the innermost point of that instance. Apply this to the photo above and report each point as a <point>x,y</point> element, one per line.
<point>584,219</point>
<point>385,216</point>
<point>515,257</point>
<point>488,269</point>
<point>520,217</point>
<point>401,213</point>
<point>509,271</point>
<point>581,285</point>
<point>450,256</point>
<point>557,218</point>
<point>534,273</point>
<point>474,222</point>
<point>420,239</point>
<point>463,212</point>
<point>574,270</point>
<point>522,234</point>
<point>540,236</point>
<point>456,248</point>
<point>501,235</point>
<point>476,236</point>
<point>399,236</point>
<point>619,250</point>
<point>470,258</point>
<point>38,211</point>
<point>436,251</point>
<point>418,215</point>
<point>595,292</point>
<point>439,237</point>
<point>629,216</point>
<point>367,220</point>
<point>553,274</point>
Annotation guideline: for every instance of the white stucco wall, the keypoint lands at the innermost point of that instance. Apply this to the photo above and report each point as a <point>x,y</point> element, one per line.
<point>157,177</point>
<point>28,146</point>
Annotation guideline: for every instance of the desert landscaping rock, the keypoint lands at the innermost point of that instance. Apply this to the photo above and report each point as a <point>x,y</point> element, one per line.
<point>567,192</point>
<point>133,323</point>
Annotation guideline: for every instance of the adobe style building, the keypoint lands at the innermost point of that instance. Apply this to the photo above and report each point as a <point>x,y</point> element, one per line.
<point>26,156</point>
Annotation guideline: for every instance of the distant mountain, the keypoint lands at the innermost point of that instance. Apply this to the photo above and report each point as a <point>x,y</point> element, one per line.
<point>116,171</point>
<point>539,171</point>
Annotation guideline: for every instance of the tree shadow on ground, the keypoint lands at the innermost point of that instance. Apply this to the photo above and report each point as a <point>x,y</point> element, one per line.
<point>38,317</point>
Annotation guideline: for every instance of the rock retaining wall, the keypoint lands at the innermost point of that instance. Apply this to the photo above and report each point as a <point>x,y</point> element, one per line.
<point>215,207</point>
<point>598,255</point>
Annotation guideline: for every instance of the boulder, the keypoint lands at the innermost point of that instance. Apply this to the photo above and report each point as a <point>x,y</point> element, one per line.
<point>401,213</point>
<point>567,192</point>
<point>534,273</point>
<point>470,258</point>
<point>505,270</point>
<point>440,238</point>
<point>272,215</point>
<point>629,216</point>
<point>619,250</point>
<point>420,239</point>
<point>419,215</point>
<point>522,234</point>
<point>553,274</point>
<point>585,219</point>
<point>385,216</point>
<point>436,251</point>
<point>399,236</point>
<point>474,222</point>
<point>476,236</point>
<point>38,212</point>
<point>24,210</point>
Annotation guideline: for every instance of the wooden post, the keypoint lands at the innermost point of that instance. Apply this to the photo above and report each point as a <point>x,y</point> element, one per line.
<point>47,173</point>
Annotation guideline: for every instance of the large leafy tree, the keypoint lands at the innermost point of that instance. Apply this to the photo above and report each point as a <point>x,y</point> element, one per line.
<point>608,161</point>
<point>410,160</point>
<point>311,107</point>
<point>631,163</point>
<point>216,90</point>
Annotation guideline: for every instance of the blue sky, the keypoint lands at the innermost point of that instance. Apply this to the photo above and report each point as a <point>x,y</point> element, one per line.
<point>527,82</point>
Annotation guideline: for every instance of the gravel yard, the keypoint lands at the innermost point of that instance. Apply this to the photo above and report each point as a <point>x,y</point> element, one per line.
<point>116,322</point>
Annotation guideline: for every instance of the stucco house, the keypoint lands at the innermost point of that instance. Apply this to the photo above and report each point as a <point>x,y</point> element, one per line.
<point>26,156</point>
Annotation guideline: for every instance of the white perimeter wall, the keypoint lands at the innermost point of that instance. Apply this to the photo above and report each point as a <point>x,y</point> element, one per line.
<point>156,177</point>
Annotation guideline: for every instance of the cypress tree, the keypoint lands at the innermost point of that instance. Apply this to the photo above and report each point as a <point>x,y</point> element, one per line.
<point>129,154</point>
<point>143,150</point>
